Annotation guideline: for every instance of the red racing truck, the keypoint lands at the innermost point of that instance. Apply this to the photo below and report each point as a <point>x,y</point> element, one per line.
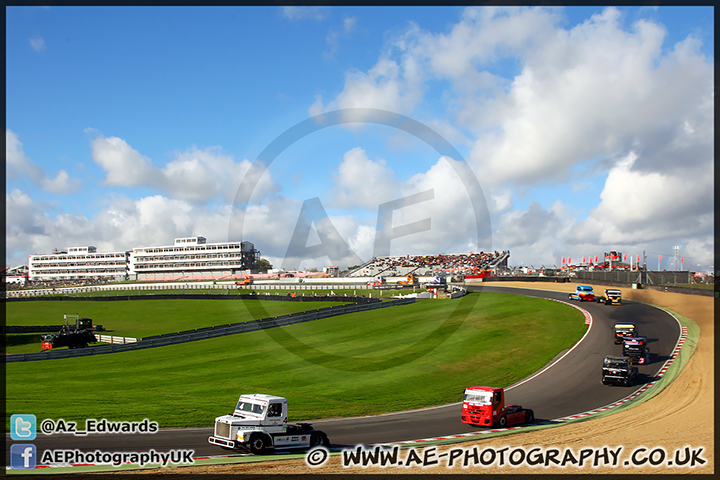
<point>485,407</point>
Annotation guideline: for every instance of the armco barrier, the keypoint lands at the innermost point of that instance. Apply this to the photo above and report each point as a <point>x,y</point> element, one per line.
<point>202,334</point>
<point>201,296</point>
<point>31,328</point>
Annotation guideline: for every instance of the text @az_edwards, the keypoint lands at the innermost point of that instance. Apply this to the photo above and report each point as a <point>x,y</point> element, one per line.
<point>92,425</point>
<point>538,457</point>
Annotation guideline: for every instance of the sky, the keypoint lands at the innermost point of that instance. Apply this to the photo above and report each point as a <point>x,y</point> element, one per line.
<point>329,135</point>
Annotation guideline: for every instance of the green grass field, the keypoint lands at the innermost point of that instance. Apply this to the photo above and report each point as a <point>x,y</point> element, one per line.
<point>142,318</point>
<point>385,360</point>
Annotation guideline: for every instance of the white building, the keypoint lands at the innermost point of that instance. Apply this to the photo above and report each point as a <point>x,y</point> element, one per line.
<point>186,257</point>
<point>193,255</point>
<point>78,263</point>
<point>15,275</point>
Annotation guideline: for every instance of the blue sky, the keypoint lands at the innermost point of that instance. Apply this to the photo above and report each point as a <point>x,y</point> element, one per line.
<point>588,129</point>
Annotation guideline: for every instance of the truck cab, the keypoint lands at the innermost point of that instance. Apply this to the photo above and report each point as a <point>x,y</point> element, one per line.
<point>259,423</point>
<point>610,297</point>
<point>636,347</point>
<point>583,293</point>
<point>624,330</point>
<point>485,407</point>
<point>618,371</point>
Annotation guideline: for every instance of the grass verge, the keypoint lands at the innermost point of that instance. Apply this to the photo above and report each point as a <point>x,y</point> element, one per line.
<point>365,363</point>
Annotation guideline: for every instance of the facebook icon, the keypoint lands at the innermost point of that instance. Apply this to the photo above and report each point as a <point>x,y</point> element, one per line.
<point>23,456</point>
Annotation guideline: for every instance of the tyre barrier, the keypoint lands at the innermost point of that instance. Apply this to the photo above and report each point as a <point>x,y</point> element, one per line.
<point>209,332</point>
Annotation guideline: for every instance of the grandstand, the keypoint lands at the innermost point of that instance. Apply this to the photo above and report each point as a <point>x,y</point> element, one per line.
<point>190,258</point>
<point>425,265</point>
<point>78,262</point>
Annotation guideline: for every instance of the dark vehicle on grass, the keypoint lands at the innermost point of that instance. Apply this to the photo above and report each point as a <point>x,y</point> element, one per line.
<point>624,330</point>
<point>71,336</point>
<point>618,371</point>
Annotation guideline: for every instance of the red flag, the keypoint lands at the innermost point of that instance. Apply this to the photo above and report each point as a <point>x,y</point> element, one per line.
<point>660,258</point>
<point>563,261</point>
<point>682,259</point>
<point>625,258</point>
<point>583,260</point>
<point>596,258</point>
<point>638,260</point>
<point>569,260</point>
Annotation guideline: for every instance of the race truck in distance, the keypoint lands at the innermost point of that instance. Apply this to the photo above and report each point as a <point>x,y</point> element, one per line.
<point>583,293</point>
<point>636,347</point>
<point>438,281</point>
<point>485,407</point>
<point>378,282</point>
<point>624,330</point>
<point>618,371</point>
<point>610,297</point>
<point>411,279</point>
<point>259,423</point>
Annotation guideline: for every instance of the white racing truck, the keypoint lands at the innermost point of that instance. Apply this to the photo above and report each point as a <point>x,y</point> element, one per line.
<point>259,423</point>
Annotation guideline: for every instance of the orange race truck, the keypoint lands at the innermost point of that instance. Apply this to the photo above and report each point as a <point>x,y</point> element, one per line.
<point>485,407</point>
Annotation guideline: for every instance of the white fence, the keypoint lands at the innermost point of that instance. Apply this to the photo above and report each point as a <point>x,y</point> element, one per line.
<point>115,340</point>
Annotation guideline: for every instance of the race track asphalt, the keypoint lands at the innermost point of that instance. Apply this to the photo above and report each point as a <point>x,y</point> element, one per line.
<point>570,386</point>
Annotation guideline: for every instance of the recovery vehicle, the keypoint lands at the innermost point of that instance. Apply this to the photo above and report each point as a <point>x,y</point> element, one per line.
<point>618,371</point>
<point>583,293</point>
<point>245,281</point>
<point>259,423</point>
<point>485,407</point>
<point>624,330</point>
<point>71,336</point>
<point>610,297</point>
<point>636,347</point>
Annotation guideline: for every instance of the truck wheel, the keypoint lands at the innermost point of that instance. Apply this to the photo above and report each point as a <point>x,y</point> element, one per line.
<point>319,439</point>
<point>529,416</point>
<point>502,422</point>
<point>258,443</point>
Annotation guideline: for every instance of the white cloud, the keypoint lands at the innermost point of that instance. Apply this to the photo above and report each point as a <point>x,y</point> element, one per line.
<point>62,184</point>
<point>19,165</point>
<point>16,162</point>
<point>538,101</point>
<point>125,166</point>
<point>301,13</point>
<point>122,225</point>
<point>37,43</point>
<point>197,175</point>
<point>388,85</point>
<point>652,205</point>
<point>363,183</point>
<point>349,24</point>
